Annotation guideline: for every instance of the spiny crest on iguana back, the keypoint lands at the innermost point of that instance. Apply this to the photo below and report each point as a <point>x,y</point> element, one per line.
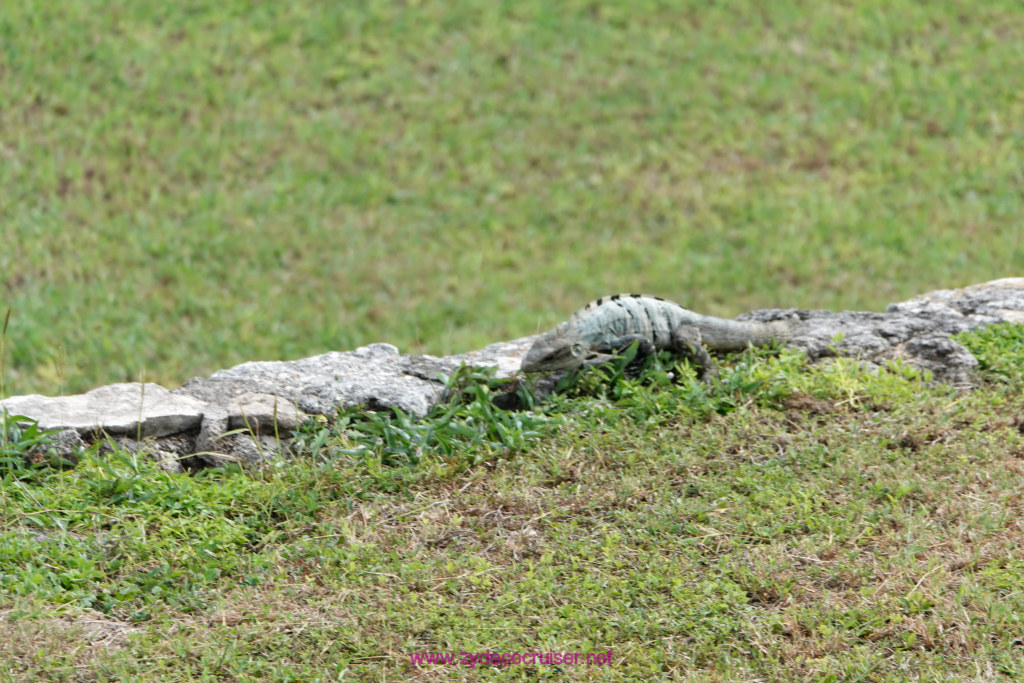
<point>570,343</point>
<point>615,297</point>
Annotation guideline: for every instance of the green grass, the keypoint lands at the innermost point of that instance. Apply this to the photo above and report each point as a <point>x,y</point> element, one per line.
<point>192,185</point>
<point>784,523</point>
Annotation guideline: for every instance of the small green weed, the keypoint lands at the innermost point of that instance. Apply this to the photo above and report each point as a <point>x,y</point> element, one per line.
<point>24,447</point>
<point>662,385</point>
<point>465,431</point>
<point>1000,352</point>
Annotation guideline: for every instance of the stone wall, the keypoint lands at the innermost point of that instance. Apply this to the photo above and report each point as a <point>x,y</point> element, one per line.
<point>269,399</point>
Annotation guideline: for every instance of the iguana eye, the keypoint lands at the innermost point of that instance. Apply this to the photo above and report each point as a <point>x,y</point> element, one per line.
<point>578,350</point>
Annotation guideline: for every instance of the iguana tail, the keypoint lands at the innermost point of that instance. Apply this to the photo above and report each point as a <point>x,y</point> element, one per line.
<point>721,334</point>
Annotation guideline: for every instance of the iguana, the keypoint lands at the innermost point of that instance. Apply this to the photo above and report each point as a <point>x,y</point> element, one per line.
<point>612,323</point>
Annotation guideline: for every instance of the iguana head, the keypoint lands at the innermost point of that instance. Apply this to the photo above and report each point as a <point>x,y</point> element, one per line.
<point>558,349</point>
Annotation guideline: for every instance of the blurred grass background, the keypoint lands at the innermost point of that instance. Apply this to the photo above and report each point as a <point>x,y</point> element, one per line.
<point>186,186</point>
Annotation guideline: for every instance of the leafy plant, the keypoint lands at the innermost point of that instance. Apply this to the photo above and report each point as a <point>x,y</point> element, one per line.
<point>661,384</point>
<point>469,428</point>
<point>23,445</point>
<point>1000,352</point>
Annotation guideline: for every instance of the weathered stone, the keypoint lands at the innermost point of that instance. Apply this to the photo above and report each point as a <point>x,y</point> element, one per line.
<point>271,399</point>
<point>167,453</point>
<point>167,461</point>
<point>981,304</point>
<point>946,360</point>
<point>113,409</point>
<point>183,444</point>
<point>264,414</point>
<point>245,450</point>
<point>882,337</point>
<point>60,450</point>
<point>373,376</point>
<point>215,423</point>
<point>250,451</point>
<point>506,356</point>
<point>916,331</point>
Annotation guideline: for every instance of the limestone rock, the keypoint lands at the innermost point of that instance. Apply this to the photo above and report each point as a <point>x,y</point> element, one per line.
<point>166,460</point>
<point>114,409</point>
<point>215,422</point>
<point>506,356</point>
<point>917,331</point>
<point>264,414</point>
<point>193,424</point>
<point>254,395</point>
<point>375,376</point>
<point>61,450</point>
<point>246,450</point>
<point>923,342</point>
<point>267,421</point>
<point>981,304</point>
<point>947,361</point>
<point>169,452</point>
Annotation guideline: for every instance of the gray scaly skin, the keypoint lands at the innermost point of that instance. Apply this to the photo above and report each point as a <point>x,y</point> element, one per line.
<point>612,323</point>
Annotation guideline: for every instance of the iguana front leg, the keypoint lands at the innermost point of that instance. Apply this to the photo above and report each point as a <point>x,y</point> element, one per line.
<point>685,342</point>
